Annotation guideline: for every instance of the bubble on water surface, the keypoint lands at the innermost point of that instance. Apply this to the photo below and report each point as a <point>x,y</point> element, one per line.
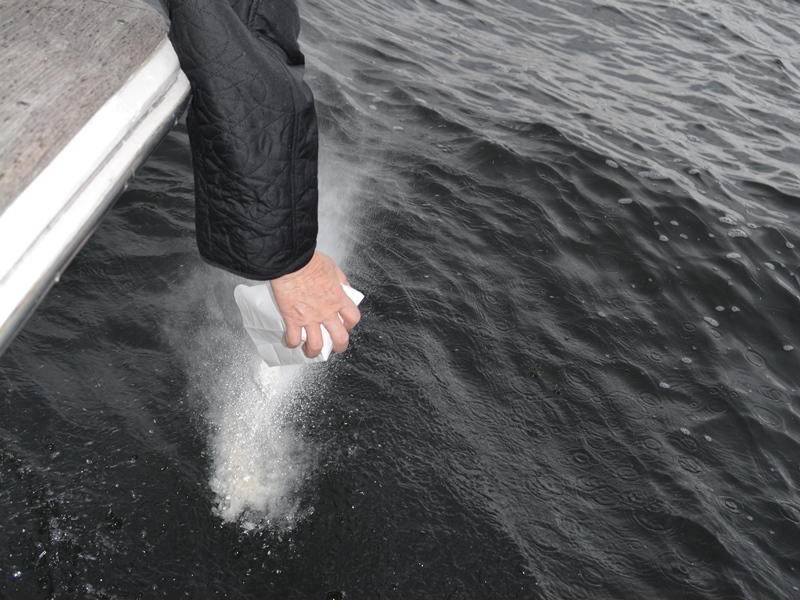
<point>719,308</point>
<point>625,201</point>
<point>735,309</point>
<point>728,220</point>
<point>733,255</point>
<point>663,238</point>
<point>664,385</point>
<point>737,233</point>
<point>770,266</point>
<point>654,175</point>
<point>686,360</point>
<point>711,321</point>
<point>612,164</point>
<point>754,358</point>
<point>789,245</point>
<point>788,347</point>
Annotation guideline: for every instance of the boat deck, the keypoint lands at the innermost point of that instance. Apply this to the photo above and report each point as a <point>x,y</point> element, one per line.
<point>62,60</point>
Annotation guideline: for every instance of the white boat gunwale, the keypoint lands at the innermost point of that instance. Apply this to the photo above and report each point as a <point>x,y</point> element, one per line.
<point>47,224</point>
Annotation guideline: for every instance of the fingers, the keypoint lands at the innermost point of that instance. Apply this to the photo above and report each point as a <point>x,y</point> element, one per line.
<point>313,345</point>
<point>310,298</point>
<point>314,341</point>
<point>294,335</point>
<point>339,335</point>
<point>350,315</point>
<point>347,318</point>
<point>337,329</point>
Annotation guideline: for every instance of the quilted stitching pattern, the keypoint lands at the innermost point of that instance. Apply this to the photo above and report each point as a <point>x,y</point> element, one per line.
<point>253,134</point>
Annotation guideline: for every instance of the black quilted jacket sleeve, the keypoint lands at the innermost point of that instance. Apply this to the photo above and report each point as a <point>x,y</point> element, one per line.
<point>253,134</point>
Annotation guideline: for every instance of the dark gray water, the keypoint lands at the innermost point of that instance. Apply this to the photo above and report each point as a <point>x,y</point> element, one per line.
<point>577,370</point>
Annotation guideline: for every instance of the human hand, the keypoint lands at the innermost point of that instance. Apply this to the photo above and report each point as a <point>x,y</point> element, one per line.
<point>311,297</point>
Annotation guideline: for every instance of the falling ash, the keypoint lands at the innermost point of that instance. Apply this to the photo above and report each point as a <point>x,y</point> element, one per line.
<point>261,463</point>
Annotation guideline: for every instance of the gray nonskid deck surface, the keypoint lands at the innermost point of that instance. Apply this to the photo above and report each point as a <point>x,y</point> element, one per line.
<point>61,61</point>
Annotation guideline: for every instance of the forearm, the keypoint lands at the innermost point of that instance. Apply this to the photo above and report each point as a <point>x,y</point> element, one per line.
<point>253,133</point>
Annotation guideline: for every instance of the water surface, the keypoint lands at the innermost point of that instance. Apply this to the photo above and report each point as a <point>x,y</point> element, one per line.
<point>577,371</point>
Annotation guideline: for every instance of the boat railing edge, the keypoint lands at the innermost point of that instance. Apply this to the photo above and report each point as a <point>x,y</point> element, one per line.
<point>48,223</point>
